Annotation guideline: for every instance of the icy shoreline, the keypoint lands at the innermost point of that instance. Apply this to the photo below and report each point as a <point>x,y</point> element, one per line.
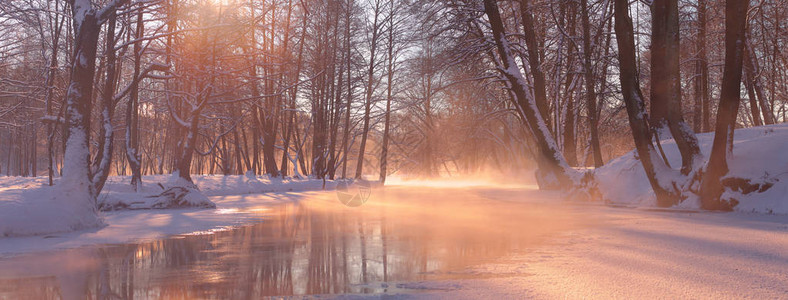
<point>45,225</point>
<point>136,225</point>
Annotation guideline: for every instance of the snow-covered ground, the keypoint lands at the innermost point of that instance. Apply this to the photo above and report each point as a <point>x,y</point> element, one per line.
<point>759,155</point>
<point>26,209</point>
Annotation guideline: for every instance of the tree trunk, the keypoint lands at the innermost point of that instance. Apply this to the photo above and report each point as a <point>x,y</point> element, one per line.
<point>553,173</point>
<point>76,185</point>
<point>711,187</point>
<point>335,96</point>
<point>666,82</point>
<point>290,102</point>
<point>636,112</point>
<point>570,143</point>
<point>752,73</point>
<point>369,90</point>
<point>701,112</point>
<point>384,150</point>
<point>591,109</point>
<point>349,101</point>
<point>101,165</point>
<point>534,61</point>
<point>132,113</point>
<point>755,112</point>
<point>239,169</point>
<point>184,159</point>
<point>661,83</point>
<point>50,84</point>
<point>269,112</point>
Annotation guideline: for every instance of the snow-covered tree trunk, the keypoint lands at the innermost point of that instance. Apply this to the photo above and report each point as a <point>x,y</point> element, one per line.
<point>76,186</point>
<point>554,172</point>
<point>76,170</point>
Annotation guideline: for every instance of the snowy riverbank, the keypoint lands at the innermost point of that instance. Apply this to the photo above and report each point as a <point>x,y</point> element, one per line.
<point>128,226</point>
<point>26,206</point>
<point>759,155</point>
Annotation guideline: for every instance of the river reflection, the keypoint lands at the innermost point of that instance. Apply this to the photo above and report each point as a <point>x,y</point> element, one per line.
<point>316,246</point>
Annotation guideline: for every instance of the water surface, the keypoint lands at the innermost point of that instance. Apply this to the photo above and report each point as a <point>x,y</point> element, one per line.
<point>314,246</point>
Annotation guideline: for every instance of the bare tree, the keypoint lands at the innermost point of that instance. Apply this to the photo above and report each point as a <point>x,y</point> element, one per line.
<point>375,29</point>
<point>554,172</point>
<point>653,165</point>
<point>590,82</point>
<point>666,82</point>
<point>711,187</point>
<point>77,184</point>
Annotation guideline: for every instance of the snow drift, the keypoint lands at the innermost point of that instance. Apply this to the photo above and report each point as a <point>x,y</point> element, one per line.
<point>42,211</point>
<point>758,170</point>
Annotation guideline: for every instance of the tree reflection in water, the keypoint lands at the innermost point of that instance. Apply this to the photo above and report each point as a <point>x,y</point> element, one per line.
<point>316,246</point>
